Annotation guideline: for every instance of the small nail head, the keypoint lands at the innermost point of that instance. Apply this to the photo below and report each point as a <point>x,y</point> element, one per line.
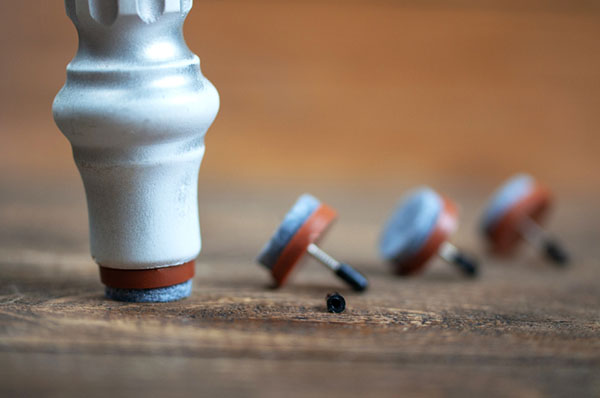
<point>336,303</point>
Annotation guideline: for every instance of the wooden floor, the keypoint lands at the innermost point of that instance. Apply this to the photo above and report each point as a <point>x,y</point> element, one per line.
<point>354,101</point>
<point>523,328</point>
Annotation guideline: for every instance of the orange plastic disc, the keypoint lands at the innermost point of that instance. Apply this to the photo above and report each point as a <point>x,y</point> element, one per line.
<point>147,278</point>
<point>309,232</point>
<point>505,235</point>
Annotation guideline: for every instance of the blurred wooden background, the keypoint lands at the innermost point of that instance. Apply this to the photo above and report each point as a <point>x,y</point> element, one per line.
<point>355,101</point>
<point>351,90</point>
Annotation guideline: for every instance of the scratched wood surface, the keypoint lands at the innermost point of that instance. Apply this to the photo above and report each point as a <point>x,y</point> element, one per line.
<point>522,329</point>
<point>354,101</point>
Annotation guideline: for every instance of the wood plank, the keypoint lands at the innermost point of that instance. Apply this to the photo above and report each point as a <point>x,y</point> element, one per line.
<point>454,94</point>
<point>522,329</point>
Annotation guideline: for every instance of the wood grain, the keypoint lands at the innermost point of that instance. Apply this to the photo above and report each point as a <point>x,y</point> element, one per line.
<point>353,101</point>
<point>346,90</point>
<point>523,328</point>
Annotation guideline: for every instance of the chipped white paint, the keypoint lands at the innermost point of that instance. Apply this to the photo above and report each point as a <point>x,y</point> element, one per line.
<point>135,108</point>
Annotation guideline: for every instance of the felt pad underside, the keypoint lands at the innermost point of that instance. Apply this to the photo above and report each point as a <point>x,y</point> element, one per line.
<point>157,295</point>
<point>410,225</point>
<point>304,207</point>
<point>511,192</point>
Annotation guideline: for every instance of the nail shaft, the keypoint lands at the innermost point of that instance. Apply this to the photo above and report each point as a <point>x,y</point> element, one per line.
<point>323,257</point>
<point>453,255</point>
<point>345,272</point>
<point>448,251</point>
<point>538,237</point>
<point>532,232</point>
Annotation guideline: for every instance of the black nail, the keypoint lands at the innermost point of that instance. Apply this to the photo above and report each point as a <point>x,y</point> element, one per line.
<point>555,252</point>
<point>467,264</point>
<point>336,303</point>
<point>352,277</point>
